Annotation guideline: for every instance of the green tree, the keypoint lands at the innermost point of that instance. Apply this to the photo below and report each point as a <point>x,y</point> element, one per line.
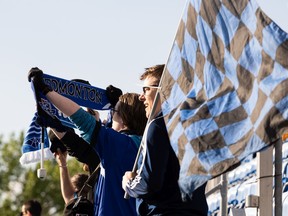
<point>20,183</point>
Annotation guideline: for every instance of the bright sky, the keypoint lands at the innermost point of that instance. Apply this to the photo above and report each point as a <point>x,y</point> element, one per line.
<point>105,42</point>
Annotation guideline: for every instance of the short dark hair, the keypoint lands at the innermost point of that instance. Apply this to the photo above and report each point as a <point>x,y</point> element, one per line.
<point>33,206</point>
<point>78,181</point>
<point>154,71</point>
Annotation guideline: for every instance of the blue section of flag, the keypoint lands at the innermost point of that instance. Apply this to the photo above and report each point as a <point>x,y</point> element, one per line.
<point>234,102</point>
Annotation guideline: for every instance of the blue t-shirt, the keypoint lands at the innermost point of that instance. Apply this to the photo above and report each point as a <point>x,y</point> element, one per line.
<point>117,153</point>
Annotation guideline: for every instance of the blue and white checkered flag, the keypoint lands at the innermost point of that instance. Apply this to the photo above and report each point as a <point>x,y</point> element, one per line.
<point>225,87</point>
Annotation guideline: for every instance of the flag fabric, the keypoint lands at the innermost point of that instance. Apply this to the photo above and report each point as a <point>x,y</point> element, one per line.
<point>83,94</point>
<point>31,148</point>
<point>224,90</point>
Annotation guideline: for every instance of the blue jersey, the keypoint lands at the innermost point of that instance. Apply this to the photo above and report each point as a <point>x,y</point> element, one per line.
<point>117,153</point>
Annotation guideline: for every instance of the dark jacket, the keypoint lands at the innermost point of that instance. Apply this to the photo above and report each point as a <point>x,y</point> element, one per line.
<point>156,185</point>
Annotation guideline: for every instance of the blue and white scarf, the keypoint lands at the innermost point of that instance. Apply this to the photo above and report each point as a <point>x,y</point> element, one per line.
<point>83,94</point>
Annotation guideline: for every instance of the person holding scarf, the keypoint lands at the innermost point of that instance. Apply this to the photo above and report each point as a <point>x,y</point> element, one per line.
<point>117,147</point>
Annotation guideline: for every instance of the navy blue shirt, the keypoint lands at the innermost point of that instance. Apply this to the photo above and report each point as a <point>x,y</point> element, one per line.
<point>117,152</point>
<point>156,184</point>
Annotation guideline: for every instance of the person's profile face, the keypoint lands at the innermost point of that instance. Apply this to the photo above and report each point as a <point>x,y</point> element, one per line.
<point>148,95</point>
<point>117,122</point>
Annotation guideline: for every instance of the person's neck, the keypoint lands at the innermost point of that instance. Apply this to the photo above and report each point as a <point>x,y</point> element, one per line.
<point>156,111</point>
<point>128,132</point>
<point>124,128</point>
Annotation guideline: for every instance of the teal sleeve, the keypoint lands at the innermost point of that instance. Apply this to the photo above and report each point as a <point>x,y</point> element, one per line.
<point>85,123</point>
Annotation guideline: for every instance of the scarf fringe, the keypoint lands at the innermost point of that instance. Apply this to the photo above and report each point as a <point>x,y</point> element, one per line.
<point>35,156</point>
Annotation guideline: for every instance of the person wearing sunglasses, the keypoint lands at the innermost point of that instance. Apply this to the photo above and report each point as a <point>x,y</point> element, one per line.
<point>155,184</point>
<point>117,147</point>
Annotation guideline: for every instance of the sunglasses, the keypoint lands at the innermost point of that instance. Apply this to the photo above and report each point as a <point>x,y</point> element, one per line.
<point>148,87</point>
<point>113,110</point>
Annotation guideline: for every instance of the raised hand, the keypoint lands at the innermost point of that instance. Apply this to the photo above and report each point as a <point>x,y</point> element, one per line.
<point>36,76</point>
<point>113,94</point>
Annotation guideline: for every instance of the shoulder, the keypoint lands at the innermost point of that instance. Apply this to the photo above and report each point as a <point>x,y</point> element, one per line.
<point>136,139</point>
<point>157,125</point>
<point>157,132</point>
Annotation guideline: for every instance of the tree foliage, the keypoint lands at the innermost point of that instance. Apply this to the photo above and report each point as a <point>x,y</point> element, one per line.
<point>20,183</point>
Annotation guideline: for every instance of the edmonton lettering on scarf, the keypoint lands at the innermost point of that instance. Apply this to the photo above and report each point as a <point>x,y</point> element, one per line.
<point>83,94</point>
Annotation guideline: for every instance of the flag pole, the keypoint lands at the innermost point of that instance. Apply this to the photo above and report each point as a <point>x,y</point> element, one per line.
<point>134,169</point>
<point>41,173</point>
<point>156,101</point>
<point>42,148</point>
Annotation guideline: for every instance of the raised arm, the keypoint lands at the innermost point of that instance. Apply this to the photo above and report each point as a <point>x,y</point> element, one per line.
<point>67,189</point>
<point>78,148</point>
<point>65,105</point>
